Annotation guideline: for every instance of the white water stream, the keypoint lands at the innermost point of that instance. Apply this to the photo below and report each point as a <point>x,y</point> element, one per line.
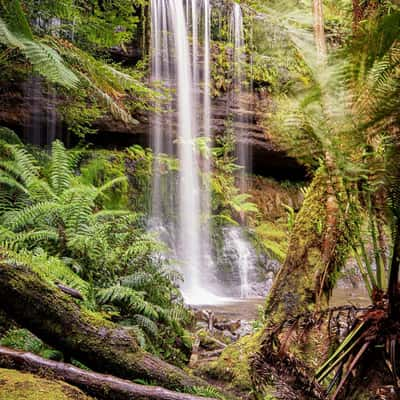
<point>175,62</point>
<point>243,153</point>
<point>181,61</point>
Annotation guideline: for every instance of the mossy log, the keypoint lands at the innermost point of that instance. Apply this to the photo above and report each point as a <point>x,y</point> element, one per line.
<point>99,385</point>
<point>101,345</point>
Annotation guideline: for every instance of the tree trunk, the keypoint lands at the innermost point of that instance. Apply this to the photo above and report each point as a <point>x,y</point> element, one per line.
<point>289,353</point>
<point>313,254</point>
<point>101,345</point>
<point>103,387</point>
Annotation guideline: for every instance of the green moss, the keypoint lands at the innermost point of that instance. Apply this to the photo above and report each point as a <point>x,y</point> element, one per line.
<point>233,364</point>
<point>294,287</point>
<point>15,385</point>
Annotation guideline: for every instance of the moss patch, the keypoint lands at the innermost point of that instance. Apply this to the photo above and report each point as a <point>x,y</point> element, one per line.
<point>15,385</point>
<point>233,364</point>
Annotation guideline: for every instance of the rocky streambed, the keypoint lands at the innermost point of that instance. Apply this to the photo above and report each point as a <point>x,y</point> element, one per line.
<point>218,326</point>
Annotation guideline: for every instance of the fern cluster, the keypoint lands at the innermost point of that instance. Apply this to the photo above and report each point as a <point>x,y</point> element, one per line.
<point>66,215</point>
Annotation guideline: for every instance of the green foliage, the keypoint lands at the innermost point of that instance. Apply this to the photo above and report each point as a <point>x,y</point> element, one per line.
<point>79,114</point>
<point>21,339</point>
<point>240,204</point>
<point>272,239</point>
<point>44,59</point>
<point>67,216</point>
<point>221,66</point>
<point>59,41</point>
<point>227,201</point>
<point>208,391</point>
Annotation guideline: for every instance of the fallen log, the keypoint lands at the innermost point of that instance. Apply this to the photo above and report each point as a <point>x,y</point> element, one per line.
<point>76,294</point>
<point>103,387</point>
<point>101,345</point>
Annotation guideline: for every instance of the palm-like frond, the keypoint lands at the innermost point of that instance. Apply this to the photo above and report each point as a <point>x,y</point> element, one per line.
<point>44,59</point>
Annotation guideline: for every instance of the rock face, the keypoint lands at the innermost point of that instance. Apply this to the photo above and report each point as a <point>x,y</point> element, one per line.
<point>247,115</point>
<point>31,109</point>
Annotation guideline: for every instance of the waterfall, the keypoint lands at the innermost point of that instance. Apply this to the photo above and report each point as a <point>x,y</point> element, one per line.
<point>243,153</point>
<point>175,61</point>
<point>240,93</point>
<point>181,62</point>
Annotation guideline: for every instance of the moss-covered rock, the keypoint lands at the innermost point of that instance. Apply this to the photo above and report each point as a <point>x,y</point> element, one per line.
<point>233,365</point>
<point>15,385</point>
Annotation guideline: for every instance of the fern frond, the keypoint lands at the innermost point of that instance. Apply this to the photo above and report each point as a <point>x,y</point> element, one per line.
<point>108,185</point>
<point>129,297</point>
<point>145,323</point>
<point>12,183</point>
<point>44,59</point>
<point>16,220</point>
<point>60,167</point>
<point>8,38</point>
<point>25,164</point>
<point>137,280</point>
<point>7,135</point>
<point>50,268</point>
<point>21,240</point>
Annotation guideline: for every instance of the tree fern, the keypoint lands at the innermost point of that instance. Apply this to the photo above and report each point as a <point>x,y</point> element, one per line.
<point>44,60</point>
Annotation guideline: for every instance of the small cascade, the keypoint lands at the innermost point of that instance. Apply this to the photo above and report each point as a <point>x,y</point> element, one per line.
<point>240,92</point>
<point>242,257</point>
<point>42,122</point>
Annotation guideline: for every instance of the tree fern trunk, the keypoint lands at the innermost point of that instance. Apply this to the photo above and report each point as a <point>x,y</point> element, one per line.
<point>393,287</point>
<point>319,31</point>
<point>314,253</point>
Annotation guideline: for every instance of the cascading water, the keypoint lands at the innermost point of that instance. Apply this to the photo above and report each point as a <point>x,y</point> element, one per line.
<point>238,96</point>
<point>175,61</point>
<point>181,61</point>
<point>243,150</point>
<point>242,254</point>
